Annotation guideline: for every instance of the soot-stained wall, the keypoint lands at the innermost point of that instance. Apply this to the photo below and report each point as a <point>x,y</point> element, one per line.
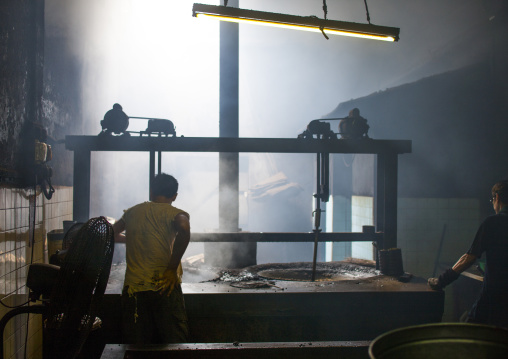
<point>61,101</point>
<point>39,87</point>
<point>21,46</point>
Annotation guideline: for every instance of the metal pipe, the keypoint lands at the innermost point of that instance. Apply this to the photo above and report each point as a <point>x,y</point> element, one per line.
<point>289,237</point>
<point>317,215</point>
<point>151,174</point>
<point>159,164</point>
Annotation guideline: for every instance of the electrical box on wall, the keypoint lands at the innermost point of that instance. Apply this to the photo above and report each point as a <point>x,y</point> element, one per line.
<point>35,154</point>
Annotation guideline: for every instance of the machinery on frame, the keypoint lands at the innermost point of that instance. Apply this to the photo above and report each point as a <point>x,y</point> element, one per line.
<point>353,127</point>
<point>116,122</point>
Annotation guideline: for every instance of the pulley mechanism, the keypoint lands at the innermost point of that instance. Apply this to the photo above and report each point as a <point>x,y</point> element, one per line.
<point>353,126</point>
<point>116,122</point>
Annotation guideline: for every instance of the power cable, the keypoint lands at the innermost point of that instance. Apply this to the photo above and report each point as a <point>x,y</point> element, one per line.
<point>32,242</point>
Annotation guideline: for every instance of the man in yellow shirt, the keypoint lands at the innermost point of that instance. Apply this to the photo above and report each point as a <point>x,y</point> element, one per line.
<point>156,237</point>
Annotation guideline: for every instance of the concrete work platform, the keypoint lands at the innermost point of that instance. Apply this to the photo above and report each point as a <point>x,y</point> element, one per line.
<point>291,311</point>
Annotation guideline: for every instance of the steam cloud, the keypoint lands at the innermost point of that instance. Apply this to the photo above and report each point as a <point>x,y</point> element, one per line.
<point>156,60</point>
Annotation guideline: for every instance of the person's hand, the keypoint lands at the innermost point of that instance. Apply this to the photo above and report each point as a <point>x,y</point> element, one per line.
<point>434,284</point>
<point>167,282</point>
<point>447,277</point>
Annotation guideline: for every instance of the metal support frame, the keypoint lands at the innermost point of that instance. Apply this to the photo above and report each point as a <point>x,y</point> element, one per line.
<point>386,186</point>
<point>322,195</point>
<point>152,168</point>
<point>365,236</point>
<point>386,203</point>
<point>81,185</point>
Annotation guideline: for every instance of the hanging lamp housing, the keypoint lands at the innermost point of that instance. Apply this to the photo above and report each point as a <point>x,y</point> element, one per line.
<point>306,23</point>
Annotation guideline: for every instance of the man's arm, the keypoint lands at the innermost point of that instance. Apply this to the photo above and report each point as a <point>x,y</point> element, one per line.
<point>464,263</point>
<point>118,229</point>
<point>451,274</point>
<point>182,226</point>
<point>170,276</point>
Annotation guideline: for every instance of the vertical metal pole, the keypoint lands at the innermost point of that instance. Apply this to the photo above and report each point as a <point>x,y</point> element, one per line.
<point>229,124</point>
<point>317,215</point>
<point>81,186</point>
<point>152,173</point>
<point>325,176</point>
<point>159,164</point>
<point>390,229</point>
<point>379,196</point>
<point>380,193</point>
<point>231,255</point>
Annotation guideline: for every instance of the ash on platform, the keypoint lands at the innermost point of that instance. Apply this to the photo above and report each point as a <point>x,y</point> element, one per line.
<point>270,275</point>
<point>299,271</point>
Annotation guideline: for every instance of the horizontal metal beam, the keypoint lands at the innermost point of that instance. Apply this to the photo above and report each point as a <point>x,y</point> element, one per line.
<point>296,350</point>
<point>228,144</point>
<point>286,237</point>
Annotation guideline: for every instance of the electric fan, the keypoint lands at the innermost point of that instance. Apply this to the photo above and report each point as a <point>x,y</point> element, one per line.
<point>69,236</point>
<point>72,292</point>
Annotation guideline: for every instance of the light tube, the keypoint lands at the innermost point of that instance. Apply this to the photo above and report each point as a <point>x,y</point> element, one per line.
<point>306,23</point>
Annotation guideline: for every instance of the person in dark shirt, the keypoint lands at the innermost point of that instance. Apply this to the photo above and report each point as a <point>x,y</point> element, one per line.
<point>491,307</point>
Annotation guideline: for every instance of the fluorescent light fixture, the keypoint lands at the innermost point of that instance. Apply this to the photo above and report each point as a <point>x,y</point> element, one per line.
<point>307,23</point>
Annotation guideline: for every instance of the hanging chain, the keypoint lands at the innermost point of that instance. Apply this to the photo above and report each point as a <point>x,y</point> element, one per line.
<point>325,10</point>
<point>367,9</point>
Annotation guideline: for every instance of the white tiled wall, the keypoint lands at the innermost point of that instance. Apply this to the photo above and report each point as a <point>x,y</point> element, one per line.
<point>17,225</point>
<point>424,222</point>
<point>362,214</point>
<point>341,209</point>
<point>338,219</point>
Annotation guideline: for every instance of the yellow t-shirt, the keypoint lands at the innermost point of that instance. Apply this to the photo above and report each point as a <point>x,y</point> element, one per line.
<point>150,235</point>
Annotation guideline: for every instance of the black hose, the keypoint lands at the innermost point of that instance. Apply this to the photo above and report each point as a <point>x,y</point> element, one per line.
<point>34,309</point>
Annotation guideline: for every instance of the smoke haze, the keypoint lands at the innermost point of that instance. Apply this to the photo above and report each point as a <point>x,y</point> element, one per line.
<point>156,60</point>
